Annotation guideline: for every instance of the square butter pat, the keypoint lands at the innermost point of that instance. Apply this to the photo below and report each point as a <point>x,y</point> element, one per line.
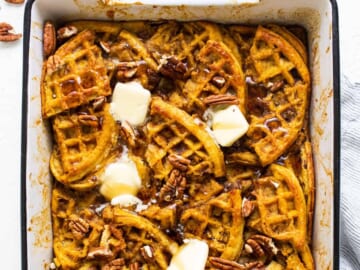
<point>130,102</point>
<point>228,125</point>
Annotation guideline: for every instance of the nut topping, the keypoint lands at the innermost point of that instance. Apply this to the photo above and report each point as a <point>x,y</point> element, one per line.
<point>256,248</point>
<point>147,253</point>
<point>218,81</point>
<point>66,32</point>
<point>276,86</point>
<point>7,34</point>
<point>116,264</point>
<point>49,39</point>
<point>98,103</point>
<point>134,266</point>
<point>220,99</point>
<point>53,64</point>
<point>128,133</point>
<point>15,1</point>
<point>89,120</point>
<point>99,253</point>
<point>260,246</point>
<point>127,70</point>
<point>105,46</point>
<point>172,67</point>
<point>247,207</point>
<point>78,226</point>
<point>174,187</point>
<point>224,264</point>
<point>179,162</point>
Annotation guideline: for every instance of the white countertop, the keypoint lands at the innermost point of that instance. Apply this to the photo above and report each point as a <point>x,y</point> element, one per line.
<point>10,116</point>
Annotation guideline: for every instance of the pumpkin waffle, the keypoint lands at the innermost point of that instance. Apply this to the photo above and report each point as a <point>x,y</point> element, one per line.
<point>281,207</point>
<point>74,75</point>
<point>218,73</point>
<point>83,139</point>
<point>219,222</point>
<point>171,131</point>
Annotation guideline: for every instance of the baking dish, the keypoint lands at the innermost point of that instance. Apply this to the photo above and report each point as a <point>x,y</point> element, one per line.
<point>319,19</point>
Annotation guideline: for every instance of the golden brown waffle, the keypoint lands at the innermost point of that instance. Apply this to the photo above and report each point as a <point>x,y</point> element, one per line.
<point>172,131</point>
<point>218,73</point>
<point>281,207</point>
<point>82,140</point>
<point>219,222</point>
<point>74,75</point>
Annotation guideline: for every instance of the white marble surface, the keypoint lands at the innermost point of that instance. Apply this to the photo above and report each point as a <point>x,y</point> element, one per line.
<point>10,116</point>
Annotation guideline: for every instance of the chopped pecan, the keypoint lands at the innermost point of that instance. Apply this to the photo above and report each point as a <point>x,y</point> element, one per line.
<point>172,67</point>
<point>15,1</point>
<point>224,264</point>
<point>218,81</point>
<point>174,187</point>
<point>89,120</point>
<point>220,99</point>
<point>127,70</point>
<point>105,46</point>
<point>118,234</point>
<point>116,264</point>
<point>179,162</point>
<point>147,253</point>
<point>7,34</point>
<point>256,247</point>
<point>49,39</point>
<point>53,64</point>
<point>247,207</point>
<point>275,86</point>
<point>128,133</point>
<point>66,32</point>
<point>78,226</point>
<point>99,253</point>
<point>135,266</point>
<point>99,103</point>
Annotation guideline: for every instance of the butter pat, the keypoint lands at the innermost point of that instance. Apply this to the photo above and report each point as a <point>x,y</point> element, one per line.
<point>130,102</point>
<point>228,125</point>
<point>190,256</point>
<point>120,178</point>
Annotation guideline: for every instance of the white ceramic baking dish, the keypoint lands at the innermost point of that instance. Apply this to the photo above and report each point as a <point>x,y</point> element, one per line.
<point>318,17</point>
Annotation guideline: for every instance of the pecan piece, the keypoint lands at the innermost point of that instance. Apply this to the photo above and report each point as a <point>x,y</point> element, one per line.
<point>134,266</point>
<point>78,226</point>
<point>179,162</point>
<point>49,39</point>
<point>98,103</point>
<point>256,247</point>
<point>247,207</point>
<point>128,133</point>
<point>89,120</point>
<point>266,242</point>
<point>7,34</point>
<point>172,67</point>
<point>218,81</point>
<point>116,264</point>
<point>220,100</point>
<point>105,46</point>
<point>174,187</point>
<point>148,253</point>
<point>53,64</point>
<point>99,253</point>
<point>15,1</point>
<point>66,32</point>
<point>224,264</point>
<point>275,86</point>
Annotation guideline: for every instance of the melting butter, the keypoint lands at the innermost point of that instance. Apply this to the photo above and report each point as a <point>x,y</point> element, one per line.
<point>192,255</point>
<point>130,102</point>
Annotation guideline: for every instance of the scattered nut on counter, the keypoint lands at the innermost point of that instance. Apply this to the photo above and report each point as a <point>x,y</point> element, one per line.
<point>7,34</point>
<point>15,1</point>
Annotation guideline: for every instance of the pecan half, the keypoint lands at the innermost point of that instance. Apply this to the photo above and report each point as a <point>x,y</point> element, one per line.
<point>135,266</point>
<point>174,187</point>
<point>78,226</point>
<point>49,39</point>
<point>218,81</point>
<point>128,133</point>
<point>257,249</point>
<point>148,253</point>
<point>7,34</point>
<point>260,246</point>
<point>172,67</point>
<point>266,242</point>
<point>220,100</point>
<point>66,32</point>
<point>179,162</point>
<point>247,207</point>
<point>224,264</point>
<point>116,264</point>
<point>99,253</point>
<point>89,120</point>
<point>15,1</point>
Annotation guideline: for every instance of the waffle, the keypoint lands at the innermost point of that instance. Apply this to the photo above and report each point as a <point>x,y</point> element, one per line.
<point>74,75</point>
<point>173,131</point>
<point>219,222</point>
<point>281,207</point>
<point>218,73</point>
<point>83,140</point>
